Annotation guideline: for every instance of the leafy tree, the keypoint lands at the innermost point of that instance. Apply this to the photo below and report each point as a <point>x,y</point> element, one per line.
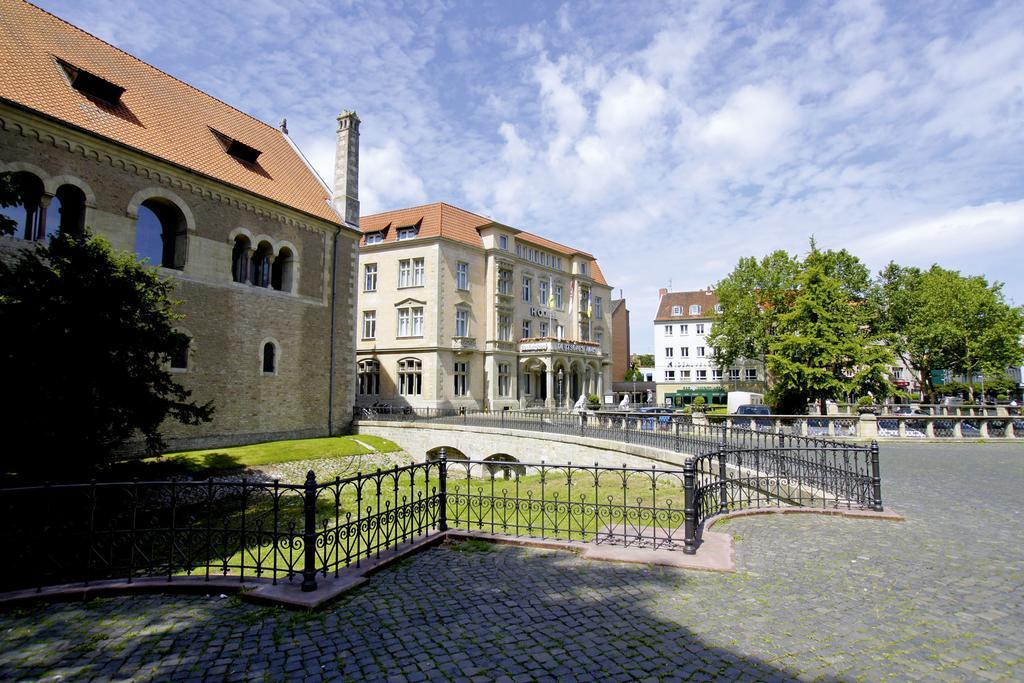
<point>939,319</point>
<point>643,360</point>
<point>87,337</point>
<point>752,298</point>
<point>824,347</point>
<point>10,195</point>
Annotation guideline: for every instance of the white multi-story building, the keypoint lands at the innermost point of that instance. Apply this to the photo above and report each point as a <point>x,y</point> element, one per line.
<point>684,364</point>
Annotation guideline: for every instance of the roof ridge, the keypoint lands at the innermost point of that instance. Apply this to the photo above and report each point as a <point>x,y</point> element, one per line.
<point>151,66</point>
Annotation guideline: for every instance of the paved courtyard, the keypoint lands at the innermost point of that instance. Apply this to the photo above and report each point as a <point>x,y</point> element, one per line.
<point>938,597</point>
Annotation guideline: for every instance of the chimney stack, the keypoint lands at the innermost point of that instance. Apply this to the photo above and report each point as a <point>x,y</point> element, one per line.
<point>346,169</point>
<point>662,292</point>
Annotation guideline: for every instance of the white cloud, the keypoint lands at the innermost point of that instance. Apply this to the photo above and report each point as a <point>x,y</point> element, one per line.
<point>753,122</point>
<point>387,181</point>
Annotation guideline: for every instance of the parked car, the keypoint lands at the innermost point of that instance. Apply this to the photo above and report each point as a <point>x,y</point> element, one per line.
<point>751,409</point>
<point>663,416</point>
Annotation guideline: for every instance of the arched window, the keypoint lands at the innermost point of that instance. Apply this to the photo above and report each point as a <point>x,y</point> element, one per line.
<point>66,211</point>
<point>410,377</point>
<point>240,267</point>
<point>269,358</point>
<point>160,233</point>
<point>180,357</point>
<point>29,215</point>
<point>281,273</point>
<point>261,265</point>
<point>369,378</point>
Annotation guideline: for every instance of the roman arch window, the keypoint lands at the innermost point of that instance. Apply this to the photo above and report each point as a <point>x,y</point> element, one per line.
<point>461,378</point>
<point>261,265</point>
<point>282,270</point>
<point>160,233</point>
<point>29,215</point>
<point>410,377</point>
<point>179,359</point>
<point>240,264</point>
<point>504,380</point>
<point>270,358</point>
<point>66,211</point>
<point>369,377</point>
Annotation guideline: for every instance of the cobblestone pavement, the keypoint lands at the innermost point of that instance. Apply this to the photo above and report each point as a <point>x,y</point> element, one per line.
<point>938,597</point>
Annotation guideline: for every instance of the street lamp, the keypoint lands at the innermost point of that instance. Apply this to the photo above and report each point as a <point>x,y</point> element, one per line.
<point>558,401</point>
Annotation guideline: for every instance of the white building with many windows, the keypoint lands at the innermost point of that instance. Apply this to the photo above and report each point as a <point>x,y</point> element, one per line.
<point>456,310</point>
<point>684,364</point>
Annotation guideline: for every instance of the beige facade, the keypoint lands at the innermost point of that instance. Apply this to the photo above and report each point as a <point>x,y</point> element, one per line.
<point>460,318</point>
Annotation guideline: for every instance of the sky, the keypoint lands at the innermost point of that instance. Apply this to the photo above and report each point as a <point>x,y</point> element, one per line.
<point>667,140</point>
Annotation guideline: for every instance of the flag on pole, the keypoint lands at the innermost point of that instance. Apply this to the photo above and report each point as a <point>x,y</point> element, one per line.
<point>551,292</point>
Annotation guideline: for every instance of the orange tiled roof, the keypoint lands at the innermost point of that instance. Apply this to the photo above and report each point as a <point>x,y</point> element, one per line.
<point>157,115</point>
<point>444,220</point>
<point>705,298</point>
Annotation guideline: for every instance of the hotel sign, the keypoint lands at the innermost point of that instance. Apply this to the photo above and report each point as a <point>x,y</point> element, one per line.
<point>553,346</point>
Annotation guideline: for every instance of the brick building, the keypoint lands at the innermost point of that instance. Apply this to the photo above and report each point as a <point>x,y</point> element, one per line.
<point>219,202</point>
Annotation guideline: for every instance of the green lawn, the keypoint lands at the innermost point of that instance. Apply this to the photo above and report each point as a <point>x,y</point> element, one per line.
<point>274,452</point>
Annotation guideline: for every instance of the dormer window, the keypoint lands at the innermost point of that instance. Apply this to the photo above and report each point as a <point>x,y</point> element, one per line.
<point>374,237</point>
<point>694,309</point>
<point>91,85</point>
<point>718,309</point>
<point>406,233</point>
<point>236,148</point>
<point>677,310</point>
<point>583,268</point>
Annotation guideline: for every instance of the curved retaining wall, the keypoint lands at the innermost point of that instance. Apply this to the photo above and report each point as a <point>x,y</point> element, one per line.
<point>416,438</point>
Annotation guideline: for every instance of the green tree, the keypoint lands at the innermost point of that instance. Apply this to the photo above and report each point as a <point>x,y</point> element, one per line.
<point>824,347</point>
<point>10,195</point>
<point>752,298</point>
<point>939,319</point>
<point>643,360</point>
<point>88,335</point>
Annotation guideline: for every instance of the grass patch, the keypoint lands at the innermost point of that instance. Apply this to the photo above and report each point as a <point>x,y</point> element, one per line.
<point>472,545</point>
<point>270,453</point>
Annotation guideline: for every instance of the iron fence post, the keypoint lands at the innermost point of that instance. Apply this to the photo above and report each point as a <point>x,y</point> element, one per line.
<point>876,478</point>
<point>442,512</point>
<point>309,535</point>
<point>723,488</point>
<point>583,424</point>
<point>690,524</point>
<point>679,444</point>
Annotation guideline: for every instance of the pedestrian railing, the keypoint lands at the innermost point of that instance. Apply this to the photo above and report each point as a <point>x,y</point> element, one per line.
<point>246,529</point>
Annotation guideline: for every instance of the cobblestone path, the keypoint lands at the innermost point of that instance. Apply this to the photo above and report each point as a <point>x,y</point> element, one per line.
<point>938,597</point>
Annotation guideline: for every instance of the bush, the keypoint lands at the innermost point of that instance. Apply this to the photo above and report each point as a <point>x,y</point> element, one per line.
<point>699,403</point>
<point>593,401</point>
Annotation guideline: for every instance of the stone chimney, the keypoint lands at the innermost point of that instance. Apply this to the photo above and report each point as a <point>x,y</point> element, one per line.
<point>662,292</point>
<point>346,169</point>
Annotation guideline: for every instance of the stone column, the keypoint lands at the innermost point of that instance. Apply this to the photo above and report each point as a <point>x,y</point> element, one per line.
<point>549,402</point>
<point>346,169</point>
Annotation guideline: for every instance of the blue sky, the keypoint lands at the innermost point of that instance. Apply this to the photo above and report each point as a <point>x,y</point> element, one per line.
<point>667,141</point>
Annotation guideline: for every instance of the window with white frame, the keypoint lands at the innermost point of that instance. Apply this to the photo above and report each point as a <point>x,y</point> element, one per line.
<point>461,377</point>
<point>718,309</point>
<point>410,321</point>
<point>527,288</point>
<point>369,377</point>
<point>410,272</point>
<point>558,297</point>
<point>702,375</point>
<point>668,351</point>
<point>527,329</point>
<point>461,322</point>
<point>504,327</point>
<point>504,281</point>
<point>668,330</point>
<point>897,373</point>
<point>418,271</point>
<point>462,275</point>
<point>370,277</point>
<point>734,374</point>
<point>677,310</point>
<point>684,329</point>
<point>410,377</point>
<point>369,324</point>
<point>374,237</point>
<point>685,374</point>
<point>700,352</point>
<point>694,309</point>
<point>716,374</point>
<point>543,292</point>
<point>406,233</point>
<point>670,375</point>
<point>684,351</point>
<point>503,242</point>
<point>504,380</point>
<point>751,374</point>
<point>543,329</point>
<point>699,328</point>
<point>583,268</point>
